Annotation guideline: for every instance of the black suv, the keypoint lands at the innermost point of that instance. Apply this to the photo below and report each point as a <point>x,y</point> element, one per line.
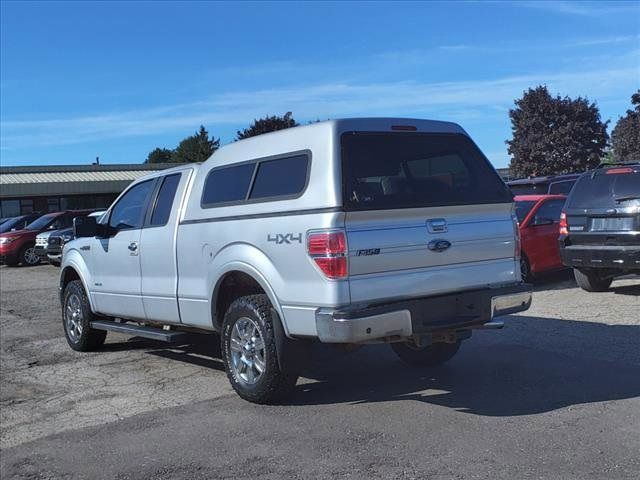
<point>600,226</point>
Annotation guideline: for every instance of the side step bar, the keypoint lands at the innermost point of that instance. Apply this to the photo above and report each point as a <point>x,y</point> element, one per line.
<point>151,333</point>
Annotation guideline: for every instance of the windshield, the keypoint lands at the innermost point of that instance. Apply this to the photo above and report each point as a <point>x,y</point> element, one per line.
<point>41,222</point>
<point>601,190</point>
<point>523,208</point>
<point>8,225</point>
<point>410,170</point>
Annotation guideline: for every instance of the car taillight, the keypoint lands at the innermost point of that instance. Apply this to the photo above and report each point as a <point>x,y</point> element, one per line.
<point>564,226</point>
<point>617,171</point>
<point>328,250</point>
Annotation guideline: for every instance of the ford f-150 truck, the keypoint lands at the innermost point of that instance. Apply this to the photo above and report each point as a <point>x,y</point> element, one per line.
<point>348,231</point>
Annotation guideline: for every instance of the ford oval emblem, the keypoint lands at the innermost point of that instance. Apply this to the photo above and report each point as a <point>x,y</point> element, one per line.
<point>438,245</point>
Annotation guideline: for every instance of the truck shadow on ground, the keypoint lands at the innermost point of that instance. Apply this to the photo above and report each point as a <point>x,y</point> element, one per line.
<point>579,362</point>
<point>535,365</point>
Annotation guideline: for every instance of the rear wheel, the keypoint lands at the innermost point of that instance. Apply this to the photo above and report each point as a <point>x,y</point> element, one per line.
<point>76,315</point>
<point>249,352</point>
<point>429,356</point>
<point>525,269</point>
<point>591,280</point>
<point>28,256</point>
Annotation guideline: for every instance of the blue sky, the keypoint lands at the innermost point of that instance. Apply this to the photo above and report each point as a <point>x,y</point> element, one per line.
<point>83,79</point>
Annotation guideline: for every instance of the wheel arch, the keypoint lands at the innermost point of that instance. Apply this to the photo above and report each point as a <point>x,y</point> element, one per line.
<point>238,279</point>
<point>74,268</point>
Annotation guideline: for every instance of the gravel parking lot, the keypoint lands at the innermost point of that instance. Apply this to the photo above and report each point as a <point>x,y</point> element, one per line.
<point>553,395</point>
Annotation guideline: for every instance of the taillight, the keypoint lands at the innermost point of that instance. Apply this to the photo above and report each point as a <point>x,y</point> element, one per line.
<point>616,171</point>
<point>564,226</point>
<point>328,250</point>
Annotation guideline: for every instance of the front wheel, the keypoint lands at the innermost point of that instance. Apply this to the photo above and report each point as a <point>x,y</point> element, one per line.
<point>76,317</point>
<point>591,281</point>
<point>249,352</point>
<point>28,256</point>
<point>429,356</point>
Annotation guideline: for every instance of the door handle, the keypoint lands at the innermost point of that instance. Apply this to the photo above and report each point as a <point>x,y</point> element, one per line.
<point>133,246</point>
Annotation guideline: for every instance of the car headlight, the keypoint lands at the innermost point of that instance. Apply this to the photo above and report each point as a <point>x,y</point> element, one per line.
<point>4,240</point>
<point>66,238</point>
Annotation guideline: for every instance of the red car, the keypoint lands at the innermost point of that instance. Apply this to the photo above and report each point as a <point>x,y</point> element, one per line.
<point>18,246</point>
<point>538,219</point>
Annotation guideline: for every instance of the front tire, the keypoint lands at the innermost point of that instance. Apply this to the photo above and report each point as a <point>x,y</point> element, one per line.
<point>591,281</point>
<point>429,356</point>
<point>28,256</point>
<point>76,316</point>
<point>249,352</point>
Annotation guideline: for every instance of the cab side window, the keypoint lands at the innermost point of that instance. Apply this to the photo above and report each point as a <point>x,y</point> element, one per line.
<point>128,213</point>
<point>164,200</point>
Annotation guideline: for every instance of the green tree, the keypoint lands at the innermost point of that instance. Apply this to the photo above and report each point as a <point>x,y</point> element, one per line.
<point>625,138</point>
<point>553,135</point>
<point>159,155</point>
<point>196,148</point>
<point>267,124</point>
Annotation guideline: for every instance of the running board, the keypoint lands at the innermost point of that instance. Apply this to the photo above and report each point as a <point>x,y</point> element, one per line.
<point>151,333</point>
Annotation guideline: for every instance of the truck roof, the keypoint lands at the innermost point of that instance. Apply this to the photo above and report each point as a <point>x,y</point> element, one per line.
<point>289,139</point>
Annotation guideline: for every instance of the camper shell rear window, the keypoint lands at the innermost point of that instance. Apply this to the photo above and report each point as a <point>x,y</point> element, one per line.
<point>411,170</point>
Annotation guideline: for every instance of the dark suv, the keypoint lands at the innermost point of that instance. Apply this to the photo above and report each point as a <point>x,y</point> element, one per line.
<point>600,226</point>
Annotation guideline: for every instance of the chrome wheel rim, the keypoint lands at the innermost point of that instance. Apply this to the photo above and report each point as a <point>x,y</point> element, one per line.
<point>30,256</point>
<point>73,317</point>
<point>248,359</point>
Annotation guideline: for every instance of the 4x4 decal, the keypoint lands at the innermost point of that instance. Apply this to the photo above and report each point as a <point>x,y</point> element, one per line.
<point>282,238</point>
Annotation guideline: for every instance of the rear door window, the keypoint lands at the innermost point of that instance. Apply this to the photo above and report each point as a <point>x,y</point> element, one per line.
<point>550,210</point>
<point>164,200</point>
<point>602,190</point>
<point>390,170</point>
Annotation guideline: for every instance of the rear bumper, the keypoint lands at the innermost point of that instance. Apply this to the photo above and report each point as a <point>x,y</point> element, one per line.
<point>421,316</point>
<point>601,256</point>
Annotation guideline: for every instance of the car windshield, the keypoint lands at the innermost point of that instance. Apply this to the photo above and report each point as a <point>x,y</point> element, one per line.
<point>604,190</point>
<point>523,207</point>
<point>389,170</point>
<point>41,222</point>
<point>8,225</point>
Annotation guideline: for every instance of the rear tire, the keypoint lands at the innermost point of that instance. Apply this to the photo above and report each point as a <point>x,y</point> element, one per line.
<point>430,356</point>
<point>76,316</point>
<point>248,345</point>
<point>525,269</point>
<point>591,281</point>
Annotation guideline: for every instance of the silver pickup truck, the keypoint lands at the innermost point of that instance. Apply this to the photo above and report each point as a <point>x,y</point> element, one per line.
<point>348,231</point>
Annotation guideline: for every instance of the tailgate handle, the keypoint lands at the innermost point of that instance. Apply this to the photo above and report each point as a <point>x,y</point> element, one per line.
<point>437,225</point>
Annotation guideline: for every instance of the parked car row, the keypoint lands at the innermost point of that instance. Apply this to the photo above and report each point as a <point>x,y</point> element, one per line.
<point>24,240</point>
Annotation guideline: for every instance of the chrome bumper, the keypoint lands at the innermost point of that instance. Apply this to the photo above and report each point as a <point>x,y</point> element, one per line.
<point>424,316</point>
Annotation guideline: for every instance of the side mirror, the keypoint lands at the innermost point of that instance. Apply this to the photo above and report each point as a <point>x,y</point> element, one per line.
<point>85,227</point>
